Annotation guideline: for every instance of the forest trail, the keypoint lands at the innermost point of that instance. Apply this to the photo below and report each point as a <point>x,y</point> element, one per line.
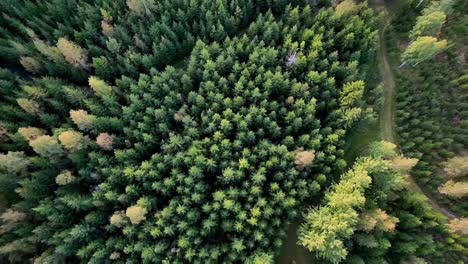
<point>387,115</point>
<point>387,122</point>
<point>290,251</point>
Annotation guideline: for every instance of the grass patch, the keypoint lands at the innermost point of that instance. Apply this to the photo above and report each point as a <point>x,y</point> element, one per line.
<point>359,139</point>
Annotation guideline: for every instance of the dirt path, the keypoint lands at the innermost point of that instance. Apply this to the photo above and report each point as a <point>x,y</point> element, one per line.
<point>387,122</point>
<point>387,115</point>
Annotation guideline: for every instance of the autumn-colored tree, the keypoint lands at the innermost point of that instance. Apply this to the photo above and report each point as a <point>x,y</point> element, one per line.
<point>72,140</point>
<point>136,6</point>
<point>428,25</point>
<point>13,216</point>
<point>14,161</point>
<point>99,86</point>
<point>50,52</point>
<point>82,119</point>
<point>454,189</point>
<point>29,106</point>
<point>459,225</point>
<point>31,64</point>
<point>74,54</point>
<point>30,133</point>
<point>423,49</point>
<point>346,7</point>
<point>383,149</point>
<point>325,228</point>
<point>65,177</point>
<point>303,159</point>
<point>377,220</point>
<point>403,164</point>
<point>117,219</point>
<point>456,167</point>
<point>136,214</point>
<point>46,146</point>
<point>107,28</point>
<point>105,141</point>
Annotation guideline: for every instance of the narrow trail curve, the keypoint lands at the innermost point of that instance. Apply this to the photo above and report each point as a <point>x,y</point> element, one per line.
<point>387,122</point>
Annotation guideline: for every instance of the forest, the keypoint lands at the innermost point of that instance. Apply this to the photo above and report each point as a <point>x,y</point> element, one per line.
<point>240,131</point>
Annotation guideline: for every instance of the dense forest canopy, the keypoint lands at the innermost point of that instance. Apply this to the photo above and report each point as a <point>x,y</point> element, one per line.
<point>194,131</point>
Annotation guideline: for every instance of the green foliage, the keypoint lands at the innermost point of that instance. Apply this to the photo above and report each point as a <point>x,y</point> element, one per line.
<point>326,228</point>
<point>424,43</point>
<point>428,25</point>
<point>198,159</point>
<point>423,49</point>
<point>371,217</point>
<point>430,109</point>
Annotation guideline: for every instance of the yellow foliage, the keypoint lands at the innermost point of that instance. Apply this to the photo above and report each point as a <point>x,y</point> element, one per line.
<point>454,189</point>
<point>382,149</point>
<point>99,86</point>
<point>459,225</point>
<point>82,119</point>
<point>74,54</point>
<point>117,219</point>
<point>46,146</point>
<point>402,164</point>
<point>72,140</point>
<point>457,167</point>
<point>52,53</point>
<point>30,133</point>
<point>64,178</point>
<point>378,220</point>
<point>29,106</point>
<point>14,161</point>
<point>107,28</point>
<point>12,216</point>
<point>34,91</point>
<point>136,214</point>
<point>135,6</point>
<point>303,159</point>
<point>30,64</point>
<point>352,93</point>
<point>347,6</point>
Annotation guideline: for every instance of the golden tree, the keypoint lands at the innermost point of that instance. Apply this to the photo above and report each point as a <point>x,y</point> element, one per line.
<point>30,64</point>
<point>72,140</point>
<point>100,87</point>
<point>402,164</point>
<point>454,189</point>
<point>118,219</point>
<point>46,146</point>
<point>30,133</point>
<point>304,159</point>
<point>29,106</point>
<point>82,119</point>
<point>457,167</point>
<point>345,7</point>
<point>65,177</point>
<point>377,220</point>
<point>136,214</point>
<point>74,54</point>
<point>459,225</point>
